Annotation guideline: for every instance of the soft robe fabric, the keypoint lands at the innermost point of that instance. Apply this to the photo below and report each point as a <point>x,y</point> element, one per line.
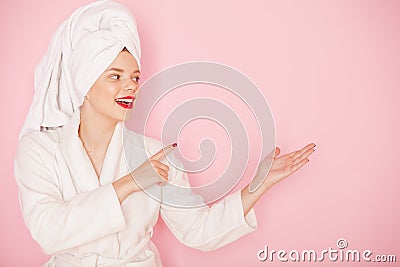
<point>77,218</point>
<point>81,49</point>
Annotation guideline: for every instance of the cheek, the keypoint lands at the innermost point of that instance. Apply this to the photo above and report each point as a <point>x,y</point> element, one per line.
<point>105,93</point>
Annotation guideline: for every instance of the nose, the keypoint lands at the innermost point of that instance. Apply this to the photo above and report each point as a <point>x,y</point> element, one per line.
<point>130,85</point>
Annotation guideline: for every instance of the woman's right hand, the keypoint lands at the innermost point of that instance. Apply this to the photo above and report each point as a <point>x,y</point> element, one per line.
<point>150,172</point>
<point>153,170</point>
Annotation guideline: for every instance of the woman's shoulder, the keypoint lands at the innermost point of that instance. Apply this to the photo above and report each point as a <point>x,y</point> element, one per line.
<point>38,142</point>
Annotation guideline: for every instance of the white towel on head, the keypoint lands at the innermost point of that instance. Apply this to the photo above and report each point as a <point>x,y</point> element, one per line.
<point>79,52</point>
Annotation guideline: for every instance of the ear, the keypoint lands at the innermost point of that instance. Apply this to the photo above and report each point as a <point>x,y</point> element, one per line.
<point>87,96</point>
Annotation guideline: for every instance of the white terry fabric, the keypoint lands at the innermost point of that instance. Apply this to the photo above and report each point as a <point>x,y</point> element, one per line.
<point>76,217</point>
<point>80,50</point>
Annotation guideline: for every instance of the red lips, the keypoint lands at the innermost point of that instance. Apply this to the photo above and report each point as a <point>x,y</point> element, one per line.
<point>125,102</point>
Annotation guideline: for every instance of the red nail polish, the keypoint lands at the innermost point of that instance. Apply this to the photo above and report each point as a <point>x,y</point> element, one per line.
<point>174,144</point>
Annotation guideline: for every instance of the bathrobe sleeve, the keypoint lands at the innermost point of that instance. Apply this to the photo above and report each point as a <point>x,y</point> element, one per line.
<point>55,224</point>
<point>204,228</point>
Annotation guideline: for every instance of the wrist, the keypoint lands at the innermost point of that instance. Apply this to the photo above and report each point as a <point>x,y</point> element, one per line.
<point>266,185</point>
<point>130,183</point>
<point>261,188</point>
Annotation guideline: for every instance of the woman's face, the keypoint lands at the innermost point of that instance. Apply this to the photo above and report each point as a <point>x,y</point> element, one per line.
<point>114,92</point>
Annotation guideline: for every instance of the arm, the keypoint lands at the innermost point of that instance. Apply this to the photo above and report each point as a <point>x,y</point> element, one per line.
<point>209,228</point>
<point>197,225</point>
<point>58,225</point>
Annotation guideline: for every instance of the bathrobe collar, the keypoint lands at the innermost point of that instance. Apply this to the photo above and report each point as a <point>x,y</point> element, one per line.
<point>78,161</point>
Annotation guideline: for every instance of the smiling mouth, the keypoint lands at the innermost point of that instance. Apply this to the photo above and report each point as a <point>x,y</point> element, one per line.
<point>125,102</point>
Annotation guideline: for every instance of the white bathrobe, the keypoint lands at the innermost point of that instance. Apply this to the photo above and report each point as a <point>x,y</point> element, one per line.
<point>76,217</point>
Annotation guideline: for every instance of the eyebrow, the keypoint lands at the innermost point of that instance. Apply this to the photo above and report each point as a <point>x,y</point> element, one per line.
<point>121,70</point>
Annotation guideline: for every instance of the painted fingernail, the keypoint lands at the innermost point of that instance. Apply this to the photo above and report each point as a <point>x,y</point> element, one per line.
<point>174,144</point>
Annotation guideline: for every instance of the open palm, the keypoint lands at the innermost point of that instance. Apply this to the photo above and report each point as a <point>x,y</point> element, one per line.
<point>285,165</point>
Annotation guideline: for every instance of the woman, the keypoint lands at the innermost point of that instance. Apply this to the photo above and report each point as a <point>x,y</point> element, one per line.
<point>79,199</point>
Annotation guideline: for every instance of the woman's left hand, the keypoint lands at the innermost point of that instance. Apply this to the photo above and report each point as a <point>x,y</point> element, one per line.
<point>285,165</point>
<point>281,168</point>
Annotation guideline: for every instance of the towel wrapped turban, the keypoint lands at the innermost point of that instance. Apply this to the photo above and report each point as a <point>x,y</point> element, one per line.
<point>79,52</point>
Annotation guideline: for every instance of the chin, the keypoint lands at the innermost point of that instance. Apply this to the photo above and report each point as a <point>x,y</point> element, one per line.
<point>126,116</point>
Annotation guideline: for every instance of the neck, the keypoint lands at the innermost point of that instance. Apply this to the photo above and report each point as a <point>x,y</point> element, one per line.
<point>95,130</point>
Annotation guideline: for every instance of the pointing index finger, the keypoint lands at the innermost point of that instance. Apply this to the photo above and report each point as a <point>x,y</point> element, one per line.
<point>164,151</point>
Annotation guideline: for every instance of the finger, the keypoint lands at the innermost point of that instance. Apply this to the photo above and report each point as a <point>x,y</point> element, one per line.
<point>306,148</point>
<point>160,165</point>
<point>162,178</point>
<point>298,165</point>
<point>162,173</point>
<point>277,151</point>
<point>164,151</point>
<point>299,152</point>
<point>305,155</point>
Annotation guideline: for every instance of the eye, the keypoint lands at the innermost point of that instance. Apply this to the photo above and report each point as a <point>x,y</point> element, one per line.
<point>115,76</point>
<point>136,79</point>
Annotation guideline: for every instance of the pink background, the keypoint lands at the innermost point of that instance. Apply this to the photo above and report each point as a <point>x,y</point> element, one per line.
<point>330,72</point>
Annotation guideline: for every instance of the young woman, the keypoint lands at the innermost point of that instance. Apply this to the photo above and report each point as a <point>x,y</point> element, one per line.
<point>80,200</point>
